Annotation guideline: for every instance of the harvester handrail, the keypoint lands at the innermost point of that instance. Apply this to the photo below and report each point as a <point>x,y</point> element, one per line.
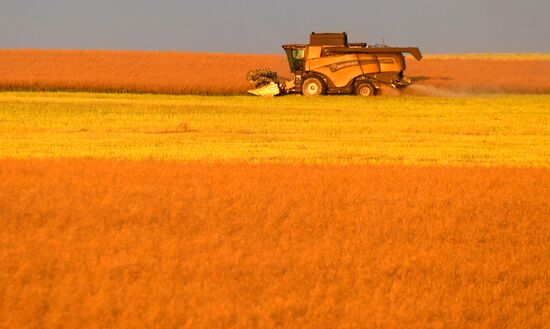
<point>414,51</point>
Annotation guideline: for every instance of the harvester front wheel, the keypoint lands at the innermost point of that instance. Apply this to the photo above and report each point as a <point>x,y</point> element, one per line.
<point>313,87</point>
<point>365,89</point>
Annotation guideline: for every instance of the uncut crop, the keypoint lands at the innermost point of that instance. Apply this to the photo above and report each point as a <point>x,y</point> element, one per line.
<point>96,243</point>
<point>508,130</point>
<point>131,71</point>
<point>481,74</point>
<point>210,73</point>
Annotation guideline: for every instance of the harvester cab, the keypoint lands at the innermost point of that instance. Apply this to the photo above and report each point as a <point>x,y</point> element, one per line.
<point>331,65</point>
<point>296,57</point>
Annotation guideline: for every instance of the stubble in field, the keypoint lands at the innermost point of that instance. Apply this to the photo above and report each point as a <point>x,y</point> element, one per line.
<point>504,130</point>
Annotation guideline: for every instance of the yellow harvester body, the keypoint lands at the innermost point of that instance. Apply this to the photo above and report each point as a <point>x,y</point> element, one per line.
<point>331,65</point>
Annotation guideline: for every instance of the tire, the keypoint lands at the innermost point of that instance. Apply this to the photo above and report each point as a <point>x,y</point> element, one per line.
<point>313,87</point>
<point>365,89</point>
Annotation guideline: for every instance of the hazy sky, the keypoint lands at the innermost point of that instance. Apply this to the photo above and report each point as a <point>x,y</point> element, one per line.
<point>436,26</point>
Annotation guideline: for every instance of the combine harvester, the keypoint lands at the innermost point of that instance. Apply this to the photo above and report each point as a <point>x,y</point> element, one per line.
<point>331,65</point>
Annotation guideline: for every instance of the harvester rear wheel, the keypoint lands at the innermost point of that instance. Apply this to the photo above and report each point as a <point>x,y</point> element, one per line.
<point>313,87</point>
<point>365,89</point>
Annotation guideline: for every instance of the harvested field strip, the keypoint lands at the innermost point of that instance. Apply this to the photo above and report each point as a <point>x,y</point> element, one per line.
<point>504,130</point>
<point>205,73</point>
<point>164,245</point>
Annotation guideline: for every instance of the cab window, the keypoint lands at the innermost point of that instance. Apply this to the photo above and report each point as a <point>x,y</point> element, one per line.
<point>298,59</point>
<point>298,53</point>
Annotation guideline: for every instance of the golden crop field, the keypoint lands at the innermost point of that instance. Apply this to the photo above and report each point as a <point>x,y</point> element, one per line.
<point>168,72</point>
<point>492,56</point>
<point>162,244</point>
<point>496,130</point>
<point>158,211</point>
